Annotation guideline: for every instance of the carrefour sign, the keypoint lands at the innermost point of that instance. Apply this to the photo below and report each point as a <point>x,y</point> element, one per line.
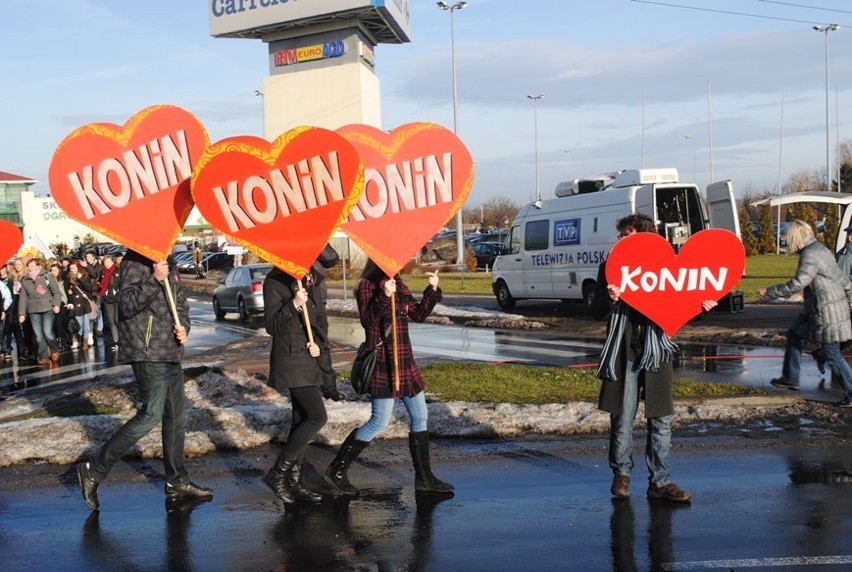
<point>256,18</point>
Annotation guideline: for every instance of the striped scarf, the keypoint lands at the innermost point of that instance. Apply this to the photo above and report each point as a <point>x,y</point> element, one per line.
<point>658,348</point>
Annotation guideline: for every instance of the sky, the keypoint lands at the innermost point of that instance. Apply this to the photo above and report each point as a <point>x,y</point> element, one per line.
<point>623,83</point>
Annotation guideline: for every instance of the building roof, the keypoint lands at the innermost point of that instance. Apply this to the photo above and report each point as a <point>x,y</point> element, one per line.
<point>12,178</point>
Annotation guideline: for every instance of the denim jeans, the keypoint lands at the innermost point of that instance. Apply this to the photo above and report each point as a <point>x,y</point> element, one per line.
<point>659,441</point>
<point>43,329</point>
<point>85,325</point>
<point>839,365</point>
<point>382,409</point>
<point>161,392</point>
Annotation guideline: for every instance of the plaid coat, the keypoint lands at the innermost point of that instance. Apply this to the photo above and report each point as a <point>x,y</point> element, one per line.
<point>374,311</point>
<point>144,318</point>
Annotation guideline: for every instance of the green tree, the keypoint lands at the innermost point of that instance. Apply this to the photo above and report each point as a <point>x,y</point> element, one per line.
<point>749,240</point>
<point>765,230</point>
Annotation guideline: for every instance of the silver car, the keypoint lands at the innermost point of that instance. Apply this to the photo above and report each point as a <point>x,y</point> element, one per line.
<point>241,291</point>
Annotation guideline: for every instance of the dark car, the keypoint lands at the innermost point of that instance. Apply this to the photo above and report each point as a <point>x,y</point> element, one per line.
<point>241,291</point>
<point>210,261</point>
<point>486,252</point>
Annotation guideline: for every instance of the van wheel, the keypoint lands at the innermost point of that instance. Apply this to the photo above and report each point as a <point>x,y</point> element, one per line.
<point>589,294</point>
<point>504,297</point>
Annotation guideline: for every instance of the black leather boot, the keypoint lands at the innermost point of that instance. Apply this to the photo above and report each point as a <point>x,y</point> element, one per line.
<point>424,480</point>
<point>298,489</point>
<point>278,479</point>
<point>336,475</point>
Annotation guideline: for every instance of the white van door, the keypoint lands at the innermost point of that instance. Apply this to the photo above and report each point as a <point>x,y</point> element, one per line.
<point>722,205</point>
<point>536,262</point>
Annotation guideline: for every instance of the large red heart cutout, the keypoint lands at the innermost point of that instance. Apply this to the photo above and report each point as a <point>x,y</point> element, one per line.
<point>281,200</point>
<point>669,288</point>
<point>416,178</point>
<point>131,183</point>
<point>11,239</point>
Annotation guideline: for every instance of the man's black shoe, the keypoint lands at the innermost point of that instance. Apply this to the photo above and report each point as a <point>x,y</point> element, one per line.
<point>88,485</point>
<point>186,490</point>
<point>781,382</point>
<point>185,505</point>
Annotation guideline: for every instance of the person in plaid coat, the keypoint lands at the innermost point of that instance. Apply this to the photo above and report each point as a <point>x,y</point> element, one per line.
<point>152,343</point>
<point>373,294</point>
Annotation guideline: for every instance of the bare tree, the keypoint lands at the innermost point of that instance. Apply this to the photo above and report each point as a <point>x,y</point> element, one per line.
<point>500,211</point>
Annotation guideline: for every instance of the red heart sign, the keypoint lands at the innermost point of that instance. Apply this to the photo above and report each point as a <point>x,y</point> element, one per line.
<point>11,239</point>
<point>669,288</point>
<point>281,200</point>
<point>417,177</point>
<point>131,183</point>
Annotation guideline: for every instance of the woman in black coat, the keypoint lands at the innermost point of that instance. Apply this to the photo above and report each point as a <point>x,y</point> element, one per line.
<point>294,365</point>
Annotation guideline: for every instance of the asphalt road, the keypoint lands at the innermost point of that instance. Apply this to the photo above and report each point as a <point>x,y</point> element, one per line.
<point>528,504</point>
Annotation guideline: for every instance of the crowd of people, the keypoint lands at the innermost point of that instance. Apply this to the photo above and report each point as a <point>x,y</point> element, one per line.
<point>57,304</point>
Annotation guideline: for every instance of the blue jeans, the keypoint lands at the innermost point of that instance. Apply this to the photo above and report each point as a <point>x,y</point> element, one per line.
<point>659,442</point>
<point>42,323</point>
<point>161,391</point>
<point>382,409</point>
<point>792,368</point>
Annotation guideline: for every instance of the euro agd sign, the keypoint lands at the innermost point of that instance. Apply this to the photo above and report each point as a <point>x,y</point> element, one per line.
<point>290,56</point>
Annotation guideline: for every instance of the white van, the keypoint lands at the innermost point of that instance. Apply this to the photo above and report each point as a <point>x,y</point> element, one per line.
<point>555,246</point>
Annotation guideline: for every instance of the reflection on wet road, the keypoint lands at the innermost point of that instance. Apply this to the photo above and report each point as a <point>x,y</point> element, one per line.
<point>524,505</point>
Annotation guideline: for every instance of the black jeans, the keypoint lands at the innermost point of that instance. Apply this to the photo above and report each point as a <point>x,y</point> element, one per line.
<point>161,390</point>
<point>110,312</point>
<point>309,416</point>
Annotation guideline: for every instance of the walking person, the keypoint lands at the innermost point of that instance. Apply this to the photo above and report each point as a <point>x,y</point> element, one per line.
<point>636,362</point>
<point>197,259</point>
<point>60,325</point>
<point>108,295</point>
<point>10,317</point>
<point>294,366</point>
<point>825,318</point>
<point>23,332</point>
<point>373,294</point>
<point>78,288</point>
<point>153,345</point>
<point>39,302</point>
<point>94,268</point>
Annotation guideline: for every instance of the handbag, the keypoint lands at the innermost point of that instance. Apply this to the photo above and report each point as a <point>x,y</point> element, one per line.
<point>93,308</point>
<point>363,367</point>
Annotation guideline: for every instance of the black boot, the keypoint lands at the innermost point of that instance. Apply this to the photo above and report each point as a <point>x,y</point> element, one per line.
<point>335,475</point>
<point>298,489</point>
<point>278,479</point>
<point>424,480</point>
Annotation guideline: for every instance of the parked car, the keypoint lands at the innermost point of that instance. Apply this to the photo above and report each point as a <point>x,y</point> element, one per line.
<point>486,252</point>
<point>211,261</point>
<point>488,237</point>
<point>241,291</point>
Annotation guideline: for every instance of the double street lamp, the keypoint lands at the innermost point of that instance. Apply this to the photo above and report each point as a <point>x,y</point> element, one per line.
<point>535,99</point>
<point>459,226</point>
<point>825,30</point>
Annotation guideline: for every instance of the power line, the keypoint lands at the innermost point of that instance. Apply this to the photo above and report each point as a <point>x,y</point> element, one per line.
<point>806,6</point>
<point>813,23</point>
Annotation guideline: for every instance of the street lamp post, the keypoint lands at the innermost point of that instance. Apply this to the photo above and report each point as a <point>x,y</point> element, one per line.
<point>825,30</point>
<point>535,99</point>
<point>689,137</point>
<point>459,228</point>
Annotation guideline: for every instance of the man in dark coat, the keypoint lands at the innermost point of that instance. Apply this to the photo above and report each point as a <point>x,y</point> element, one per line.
<point>628,375</point>
<point>153,346</point>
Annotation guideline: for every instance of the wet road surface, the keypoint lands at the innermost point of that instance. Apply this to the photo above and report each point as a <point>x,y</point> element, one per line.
<point>535,504</point>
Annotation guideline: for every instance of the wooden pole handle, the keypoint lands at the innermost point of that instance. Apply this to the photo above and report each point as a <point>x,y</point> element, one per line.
<point>306,316</point>
<point>171,299</point>
<point>394,346</point>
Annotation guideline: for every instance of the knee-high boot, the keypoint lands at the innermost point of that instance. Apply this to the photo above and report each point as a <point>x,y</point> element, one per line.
<point>424,480</point>
<point>278,479</point>
<point>336,474</point>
